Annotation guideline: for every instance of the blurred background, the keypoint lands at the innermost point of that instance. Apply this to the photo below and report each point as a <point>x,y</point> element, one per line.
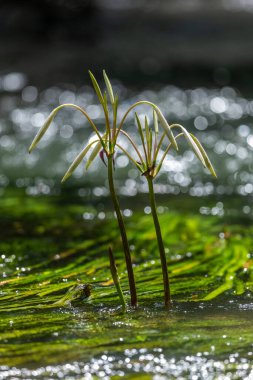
<point>193,58</point>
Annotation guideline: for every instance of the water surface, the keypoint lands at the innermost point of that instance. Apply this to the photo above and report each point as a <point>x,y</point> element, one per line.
<point>47,249</point>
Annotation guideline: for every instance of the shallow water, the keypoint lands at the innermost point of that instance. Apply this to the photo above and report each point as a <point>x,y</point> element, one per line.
<point>47,249</point>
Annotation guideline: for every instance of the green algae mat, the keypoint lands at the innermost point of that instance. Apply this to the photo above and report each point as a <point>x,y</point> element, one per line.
<point>60,316</point>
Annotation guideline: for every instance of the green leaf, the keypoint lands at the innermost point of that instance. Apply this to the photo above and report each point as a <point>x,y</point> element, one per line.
<point>96,88</point>
<point>105,102</point>
<point>150,143</point>
<point>142,136</point>
<point>50,118</point>
<point>205,156</point>
<point>44,128</point>
<point>139,127</point>
<point>115,112</point>
<point>147,131</point>
<point>94,154</point>
<point>192,144</point>
<point>166,128</point>
<point>155,122</point>
<point>109,87</point>
<point>115,107</point>
<point>77,161</point>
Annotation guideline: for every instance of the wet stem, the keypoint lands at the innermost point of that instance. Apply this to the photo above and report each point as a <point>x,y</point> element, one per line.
<point>116,280</point>
<point>122,232</point>
<point>166,284</point>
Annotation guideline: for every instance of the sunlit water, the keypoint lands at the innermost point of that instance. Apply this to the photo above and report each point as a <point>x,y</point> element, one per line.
<point>50,244</point>
<point>207,345</point>
<point>220,118</point>
<point>153,363</point>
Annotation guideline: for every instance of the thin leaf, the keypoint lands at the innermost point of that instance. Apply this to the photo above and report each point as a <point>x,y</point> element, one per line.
<point>158,168</point>
<point>105,106</point>
<point>96,88</point>
<point>77,161</point>
<point>155,122</point>
<point>115,112</point>
<point>147,137</point>
<point>133,144</point>
<point>139,128</point>
<point>94,154</point>
<point>109,87</point>
<point>205,156</point>
<point>142,136</point>
<point>192,144</point>
<point>51,117</point>
<point>150,144</point>
<point>138,164</point>
<point>44,128</point>
<point>106,112</point>
<point>166,128</point>
<point>115,106</point>
<point>105,99</point>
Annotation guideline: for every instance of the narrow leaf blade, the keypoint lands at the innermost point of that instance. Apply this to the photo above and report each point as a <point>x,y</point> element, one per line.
<point>96,88</point>
<point>115,105</point>
<point>193,145</point>
<point>142,136</point>
<point>43,129</point>
<point>166,128</point>
<point>139,127</point>
<point>205,156</point>
<point>109,87</point>
<point>77,161</point>
<point>147,132</point>
<point>94,154</point>
<point>155,121</point>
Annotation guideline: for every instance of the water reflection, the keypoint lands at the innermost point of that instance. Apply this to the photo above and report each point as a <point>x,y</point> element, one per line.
<point>220,118</point>
<point>144,362</point>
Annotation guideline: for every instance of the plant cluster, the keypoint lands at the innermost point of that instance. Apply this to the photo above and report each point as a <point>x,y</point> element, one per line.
<point>147,160</point>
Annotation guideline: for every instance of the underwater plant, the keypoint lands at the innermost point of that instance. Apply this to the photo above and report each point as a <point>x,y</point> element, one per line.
<point>149,165</point>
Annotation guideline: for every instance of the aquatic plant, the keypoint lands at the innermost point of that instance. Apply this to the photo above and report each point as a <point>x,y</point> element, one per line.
<point>115,278</point>
<point>149,166</point>
<point>105,144</point>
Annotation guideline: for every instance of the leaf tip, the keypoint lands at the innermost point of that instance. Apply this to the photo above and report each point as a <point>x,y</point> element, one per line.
<point>65,177</point>
<point>213,172</point>
<point>31,147</point>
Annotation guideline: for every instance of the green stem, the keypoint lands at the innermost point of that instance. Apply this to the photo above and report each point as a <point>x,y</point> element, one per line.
<point>116,280</point>
<point>123,233</point>
<point>166,284</point>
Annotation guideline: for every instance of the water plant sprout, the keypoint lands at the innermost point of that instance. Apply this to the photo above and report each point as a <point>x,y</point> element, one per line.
<point>149,165</point>
<point>105,141</point>
<point>104,145</point>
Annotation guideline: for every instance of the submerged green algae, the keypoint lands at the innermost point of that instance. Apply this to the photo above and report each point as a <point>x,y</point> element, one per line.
<point>49,246</point>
